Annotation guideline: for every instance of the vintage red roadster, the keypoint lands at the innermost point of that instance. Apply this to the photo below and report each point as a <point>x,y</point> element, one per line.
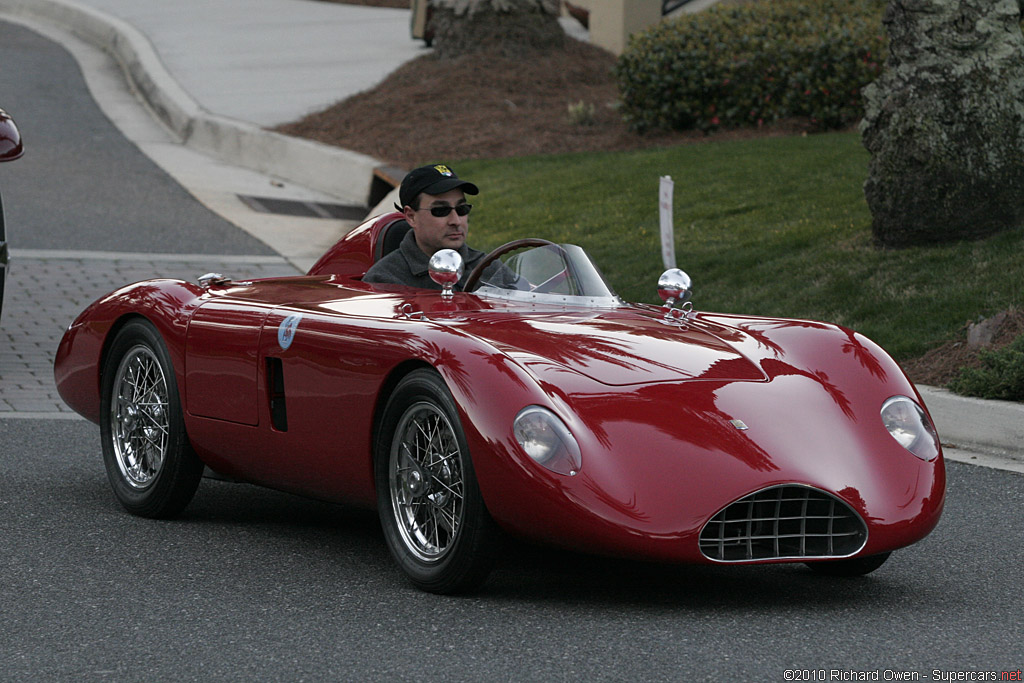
<point>548,409</point>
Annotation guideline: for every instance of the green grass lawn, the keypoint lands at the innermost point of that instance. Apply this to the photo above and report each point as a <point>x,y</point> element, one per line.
<point>772,226</point>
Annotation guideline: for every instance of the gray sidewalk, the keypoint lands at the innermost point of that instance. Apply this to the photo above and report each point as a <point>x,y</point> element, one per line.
<point>976,431</point>
<point>268,62</point>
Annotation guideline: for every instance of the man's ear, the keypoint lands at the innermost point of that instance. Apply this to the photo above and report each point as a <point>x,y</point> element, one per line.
<point>410,214</point>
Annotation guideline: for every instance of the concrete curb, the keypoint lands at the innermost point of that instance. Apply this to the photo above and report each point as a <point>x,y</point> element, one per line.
<point>334,171</point>
<point>974,422</point>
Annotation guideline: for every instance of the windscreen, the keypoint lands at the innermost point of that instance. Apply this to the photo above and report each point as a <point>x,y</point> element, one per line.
<point>555,273</point>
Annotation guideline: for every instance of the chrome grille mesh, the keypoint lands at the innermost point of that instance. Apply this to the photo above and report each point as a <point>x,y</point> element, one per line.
<point>783,522</point>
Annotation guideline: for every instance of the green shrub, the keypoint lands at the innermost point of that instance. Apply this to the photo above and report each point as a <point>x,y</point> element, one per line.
<point>742,65</point>
<point>1000,376</point>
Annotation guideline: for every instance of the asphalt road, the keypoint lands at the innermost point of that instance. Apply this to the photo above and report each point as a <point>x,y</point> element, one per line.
<point>81,184</point>
<point>253,584</point>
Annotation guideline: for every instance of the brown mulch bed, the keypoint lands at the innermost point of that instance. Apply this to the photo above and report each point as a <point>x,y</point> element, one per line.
<point>941,365</point>
<point>486,105</point>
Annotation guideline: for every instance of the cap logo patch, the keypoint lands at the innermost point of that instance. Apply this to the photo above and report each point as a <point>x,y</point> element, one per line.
<point>443,170</point>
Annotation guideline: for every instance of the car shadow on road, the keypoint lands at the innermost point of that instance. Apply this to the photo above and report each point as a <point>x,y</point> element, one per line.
<point>540,574</point>
<point>273,523</point>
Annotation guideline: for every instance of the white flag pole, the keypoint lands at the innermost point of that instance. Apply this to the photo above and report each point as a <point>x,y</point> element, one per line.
<point>668,240</point>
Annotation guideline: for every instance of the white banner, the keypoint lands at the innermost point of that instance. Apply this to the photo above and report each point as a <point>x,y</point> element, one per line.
<point>668,239</point>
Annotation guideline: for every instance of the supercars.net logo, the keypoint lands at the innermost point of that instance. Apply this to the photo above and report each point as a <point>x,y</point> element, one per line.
<point>899,675</point>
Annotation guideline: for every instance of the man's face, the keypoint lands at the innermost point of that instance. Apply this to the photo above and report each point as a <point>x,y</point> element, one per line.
<point>433,233</point>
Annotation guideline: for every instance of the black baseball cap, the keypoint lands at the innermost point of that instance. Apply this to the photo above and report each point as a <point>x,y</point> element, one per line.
<point>432,179</point>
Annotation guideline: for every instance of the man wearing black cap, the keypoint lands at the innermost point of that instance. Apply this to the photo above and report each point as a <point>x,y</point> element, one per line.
<point>434,203</point>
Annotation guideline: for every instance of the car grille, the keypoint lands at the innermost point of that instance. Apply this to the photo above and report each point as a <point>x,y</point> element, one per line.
<point>783,522</point>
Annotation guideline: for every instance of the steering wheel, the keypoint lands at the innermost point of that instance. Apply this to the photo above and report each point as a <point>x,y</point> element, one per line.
<point>473,281</point>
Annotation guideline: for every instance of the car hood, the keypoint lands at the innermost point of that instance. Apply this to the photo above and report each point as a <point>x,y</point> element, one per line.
<point>619,347</point>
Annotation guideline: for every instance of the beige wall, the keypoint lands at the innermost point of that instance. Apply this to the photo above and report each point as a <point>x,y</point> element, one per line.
<point>613,21</point>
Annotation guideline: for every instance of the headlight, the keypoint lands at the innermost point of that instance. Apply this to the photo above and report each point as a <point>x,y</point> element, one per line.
<point>908,424</point>
<point>547,440</point>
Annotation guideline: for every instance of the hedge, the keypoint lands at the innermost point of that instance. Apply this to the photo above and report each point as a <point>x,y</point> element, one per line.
<point>755,63</point>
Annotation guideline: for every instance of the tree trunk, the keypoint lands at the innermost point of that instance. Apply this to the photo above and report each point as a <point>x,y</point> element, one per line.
<point>945,122</point>
<point>513,27</point>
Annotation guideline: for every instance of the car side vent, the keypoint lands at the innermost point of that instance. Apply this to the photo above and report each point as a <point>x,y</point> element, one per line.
<point>783,522</point>
<point>275,391</point>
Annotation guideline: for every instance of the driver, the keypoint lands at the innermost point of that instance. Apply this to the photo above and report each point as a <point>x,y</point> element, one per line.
<point>434,203</point>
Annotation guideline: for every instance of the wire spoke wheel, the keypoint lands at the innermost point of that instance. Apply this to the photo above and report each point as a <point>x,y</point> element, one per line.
<point>149,460</point>
<point>426,482</point>
<point>139,417</point>
<point>431,510</point>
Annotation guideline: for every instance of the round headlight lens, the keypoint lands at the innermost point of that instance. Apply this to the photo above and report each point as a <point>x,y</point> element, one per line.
<point>547,440</point>
<point>908,424</point>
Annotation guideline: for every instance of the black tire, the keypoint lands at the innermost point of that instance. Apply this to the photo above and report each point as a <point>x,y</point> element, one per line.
<point>3,257</point>
<point>858,566</point>
<point>150,463</point>
<point>433,516</point>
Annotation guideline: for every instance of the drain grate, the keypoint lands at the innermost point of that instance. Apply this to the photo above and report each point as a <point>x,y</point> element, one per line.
<point>294,207</point>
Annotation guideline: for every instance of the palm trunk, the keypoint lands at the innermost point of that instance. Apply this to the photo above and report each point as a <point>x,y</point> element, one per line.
<point>514,27</point>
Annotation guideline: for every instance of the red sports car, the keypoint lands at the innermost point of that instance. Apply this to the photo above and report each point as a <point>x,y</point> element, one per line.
<point>534,403</point>
<point>10,149</point>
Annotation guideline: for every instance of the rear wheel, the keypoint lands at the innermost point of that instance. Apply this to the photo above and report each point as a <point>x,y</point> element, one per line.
<point>858,566</point>
<point>433,516</point>
<point>150,464</point>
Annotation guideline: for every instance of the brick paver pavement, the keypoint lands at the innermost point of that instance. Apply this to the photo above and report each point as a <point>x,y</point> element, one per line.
<point>47,289</point>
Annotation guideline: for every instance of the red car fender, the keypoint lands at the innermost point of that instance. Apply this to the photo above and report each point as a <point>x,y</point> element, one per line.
<point>78,365</point>
<point>490,389</point>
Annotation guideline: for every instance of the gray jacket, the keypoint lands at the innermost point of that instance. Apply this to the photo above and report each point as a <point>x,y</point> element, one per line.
<point>407,265</point>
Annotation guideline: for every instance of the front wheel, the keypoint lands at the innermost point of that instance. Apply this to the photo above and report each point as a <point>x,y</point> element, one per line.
<point>858,566</point>
<point>433,516</point>
<point>150,463</point>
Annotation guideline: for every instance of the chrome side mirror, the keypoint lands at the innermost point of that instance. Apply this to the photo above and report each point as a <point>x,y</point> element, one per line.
<point>446,269</point>
<point>675,287</point>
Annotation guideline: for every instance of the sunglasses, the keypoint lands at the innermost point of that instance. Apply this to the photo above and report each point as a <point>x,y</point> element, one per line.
<point>443,210</point>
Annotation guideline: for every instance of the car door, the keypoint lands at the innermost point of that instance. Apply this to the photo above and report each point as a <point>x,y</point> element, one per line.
<point>221,361</point>
<point>322,369</point>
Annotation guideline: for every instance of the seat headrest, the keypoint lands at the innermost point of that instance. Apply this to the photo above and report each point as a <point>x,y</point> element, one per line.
<point>390,237</point>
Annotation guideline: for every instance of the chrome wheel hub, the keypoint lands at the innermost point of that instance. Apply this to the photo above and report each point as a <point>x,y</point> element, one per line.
<point>138,417</point>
